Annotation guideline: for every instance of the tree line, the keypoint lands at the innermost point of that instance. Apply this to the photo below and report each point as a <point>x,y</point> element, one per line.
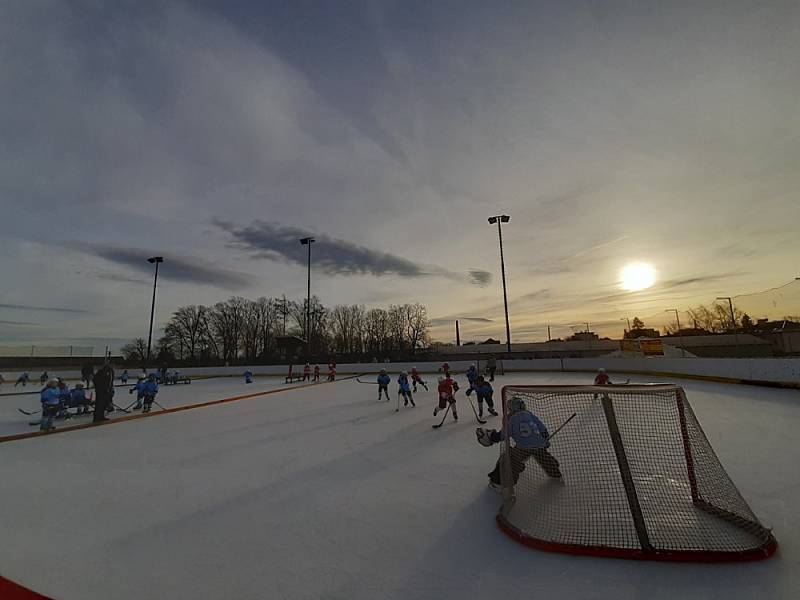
<point>243,330</point>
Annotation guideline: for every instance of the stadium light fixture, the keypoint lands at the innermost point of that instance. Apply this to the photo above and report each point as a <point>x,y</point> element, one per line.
<point>153,260</point>
<point>498,219</point>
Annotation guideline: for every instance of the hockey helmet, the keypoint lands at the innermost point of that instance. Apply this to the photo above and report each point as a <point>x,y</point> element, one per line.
<point>601,370</point>
<point>516,404</point>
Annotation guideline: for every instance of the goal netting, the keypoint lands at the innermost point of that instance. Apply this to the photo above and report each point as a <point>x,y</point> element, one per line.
<point>632,474</point>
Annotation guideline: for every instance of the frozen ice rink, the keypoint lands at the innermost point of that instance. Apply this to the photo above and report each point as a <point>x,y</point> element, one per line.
<point>323,492</point>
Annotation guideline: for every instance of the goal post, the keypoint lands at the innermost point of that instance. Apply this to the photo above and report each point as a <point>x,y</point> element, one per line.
<point>632,475</point>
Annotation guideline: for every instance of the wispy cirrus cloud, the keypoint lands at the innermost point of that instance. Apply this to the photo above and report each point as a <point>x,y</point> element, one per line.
<point>59,309</point>
<point>331,255</point>
<point>176,268</point>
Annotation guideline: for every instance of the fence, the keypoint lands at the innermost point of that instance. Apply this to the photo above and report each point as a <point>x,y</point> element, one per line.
<point>46,351</point>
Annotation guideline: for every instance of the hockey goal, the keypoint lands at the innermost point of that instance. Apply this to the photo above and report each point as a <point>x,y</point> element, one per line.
<point>631,475</point>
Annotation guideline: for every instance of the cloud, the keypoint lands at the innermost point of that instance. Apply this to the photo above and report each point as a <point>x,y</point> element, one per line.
<point>41,308</point>
<point>175,268</point>
<point>332,256</point>
<point>480,278</point>
<point>121,278</point>
<point>17,323</point>
<point>450,320</point>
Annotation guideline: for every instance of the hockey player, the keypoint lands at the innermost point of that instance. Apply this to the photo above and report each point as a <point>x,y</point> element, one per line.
<point>491,366</point>
<point>24,379</point>
<point>602,377</point>
<point>530,440</point>
<point>64,398</point>
<point>416,379</point>
<point>149,391</point>
<point>383,384</point>
<point>2,379</point>
<point>405,389</point>
<point>139,389</point>
<point>472,375</point>
<point>316,372</point>
<point>483,390</point>
<point>447,396</point>
<point>332,372</point>
<point>78,399</point>
<point>248,376</point>
<point>51,401</point>
<point>124,377</point>
<point>307,372</point>
<point>44,377</point>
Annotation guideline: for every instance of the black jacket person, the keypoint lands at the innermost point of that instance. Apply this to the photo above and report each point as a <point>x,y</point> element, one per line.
<point>103,382</point>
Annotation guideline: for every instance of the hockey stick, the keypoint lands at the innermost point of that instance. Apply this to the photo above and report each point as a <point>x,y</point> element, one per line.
<point>449,404</point>
<point>368,382</point>
<point>128,408</point>
<point>115,407</point>
<point>475,412</point>
<point>25,412</point>
<point>398,402</point>
<point>560,427</point>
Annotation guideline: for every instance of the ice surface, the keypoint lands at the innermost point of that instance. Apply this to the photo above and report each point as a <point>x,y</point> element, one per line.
<point>324,492</point>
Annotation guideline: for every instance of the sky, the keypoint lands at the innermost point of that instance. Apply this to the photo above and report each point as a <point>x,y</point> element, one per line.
<point>217,134</point>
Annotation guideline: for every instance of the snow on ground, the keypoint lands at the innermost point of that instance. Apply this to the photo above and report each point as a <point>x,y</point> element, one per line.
<point>322,492</point>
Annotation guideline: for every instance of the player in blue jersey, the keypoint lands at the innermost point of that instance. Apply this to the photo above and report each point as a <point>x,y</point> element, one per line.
<point>149,391</point>
<point>51,402</point>
<point>248,376</point>
<point>483,389</point>
<point>138,387</point>
<point>530,440</point>
<point>405,389</point>
<point>383,384</point>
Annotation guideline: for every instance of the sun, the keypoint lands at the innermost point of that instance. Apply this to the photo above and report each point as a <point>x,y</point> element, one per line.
<point>637,276</point>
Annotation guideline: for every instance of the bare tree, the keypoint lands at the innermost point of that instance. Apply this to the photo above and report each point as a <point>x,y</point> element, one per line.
<point>417,325</point>
<point>135,350</point>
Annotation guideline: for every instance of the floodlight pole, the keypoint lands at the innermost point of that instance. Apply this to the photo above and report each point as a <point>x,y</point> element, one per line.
<point>733,318</point>
<point>730,304</point>
<point>307,241</point>
<point>503,219</point>
<point>155,260</point>
<point>680,336</point>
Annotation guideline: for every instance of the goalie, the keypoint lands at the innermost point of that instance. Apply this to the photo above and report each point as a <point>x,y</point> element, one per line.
<point>529,439</point>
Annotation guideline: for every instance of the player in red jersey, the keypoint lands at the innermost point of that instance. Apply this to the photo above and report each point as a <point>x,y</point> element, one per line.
<point>416,379</point>
<point>602,377</point>
<point>447,389</point>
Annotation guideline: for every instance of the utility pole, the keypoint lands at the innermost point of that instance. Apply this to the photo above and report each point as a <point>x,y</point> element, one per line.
<point>458,335</point>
